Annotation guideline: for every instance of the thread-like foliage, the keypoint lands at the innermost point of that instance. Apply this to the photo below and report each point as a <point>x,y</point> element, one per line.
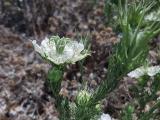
<point>131,51</point>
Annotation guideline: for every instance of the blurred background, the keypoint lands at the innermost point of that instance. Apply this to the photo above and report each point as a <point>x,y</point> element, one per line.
<point>39,18</point>
<point>23,91</point>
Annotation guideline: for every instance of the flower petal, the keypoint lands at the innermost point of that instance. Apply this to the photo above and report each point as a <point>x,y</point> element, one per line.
<point>61,58</point>
<point>105,117</point>
<point>152,71</point>
<point>78,47</point>
<point>57,59</point>
<point>38,48</point>
<point>153,16</point>
<point>78,57</point>
<point>48,45</point>
<point>137,73</point>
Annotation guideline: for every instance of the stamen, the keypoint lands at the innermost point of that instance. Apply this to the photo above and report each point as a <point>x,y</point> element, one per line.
<point>59,43</point>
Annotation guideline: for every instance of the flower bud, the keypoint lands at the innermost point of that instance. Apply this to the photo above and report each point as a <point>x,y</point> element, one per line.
<point>98,107</point>
<point>83,97</point>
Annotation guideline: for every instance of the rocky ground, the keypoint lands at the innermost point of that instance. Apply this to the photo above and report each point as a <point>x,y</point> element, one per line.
<point>23,92</point>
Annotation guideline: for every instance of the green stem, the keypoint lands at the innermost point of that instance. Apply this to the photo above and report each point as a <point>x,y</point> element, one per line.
<point>55,76</point>
<point>63,108</point>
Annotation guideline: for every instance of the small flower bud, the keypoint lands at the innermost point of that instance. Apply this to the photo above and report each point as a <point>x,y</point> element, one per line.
<point>83,97</point>
<point>98,107</point>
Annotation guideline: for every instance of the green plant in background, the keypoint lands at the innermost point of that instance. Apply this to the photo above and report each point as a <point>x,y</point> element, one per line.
<point>109,11</point>
<point>131,52</point>
<point>134,8</point>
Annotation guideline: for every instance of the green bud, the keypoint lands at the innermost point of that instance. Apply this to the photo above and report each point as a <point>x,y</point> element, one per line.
<point>55,74</point>
<point>98,107</point>
<point>130,109</point>
<point>83,97</point>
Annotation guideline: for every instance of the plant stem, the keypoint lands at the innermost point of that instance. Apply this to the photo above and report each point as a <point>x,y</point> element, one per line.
<point>55,76</point>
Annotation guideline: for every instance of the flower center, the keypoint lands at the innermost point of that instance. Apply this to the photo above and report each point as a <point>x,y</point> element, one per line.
<point>60,43</point>
<point>60,46</point>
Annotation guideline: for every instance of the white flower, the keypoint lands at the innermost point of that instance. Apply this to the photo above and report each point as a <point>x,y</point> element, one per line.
<point>153,16</point>
<point>150,71</point>
<point>105,117</point>
<point>60,50</point>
